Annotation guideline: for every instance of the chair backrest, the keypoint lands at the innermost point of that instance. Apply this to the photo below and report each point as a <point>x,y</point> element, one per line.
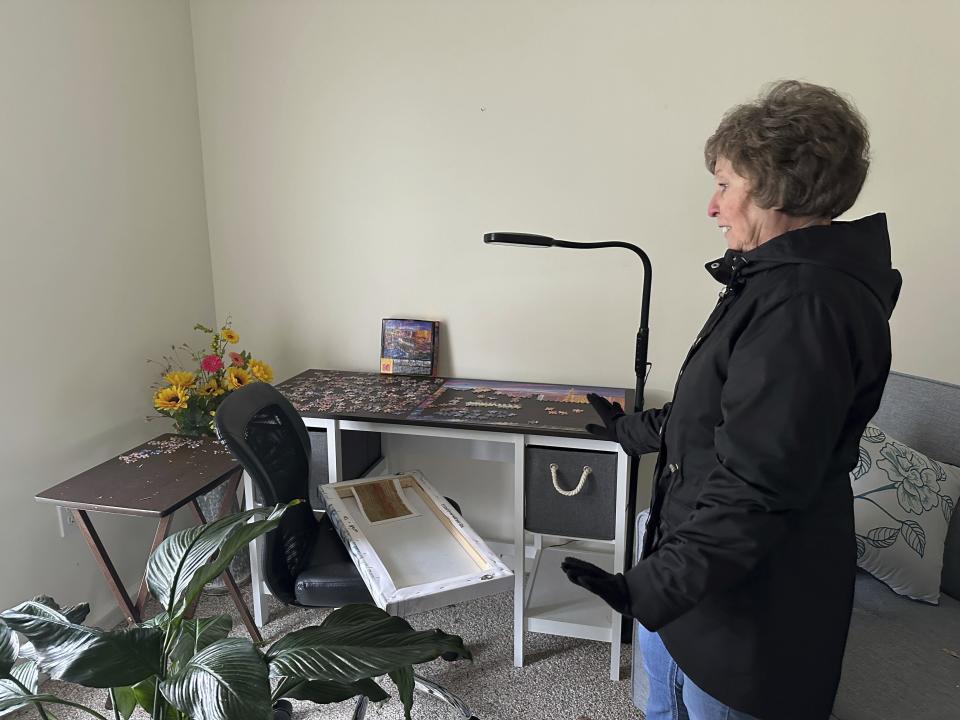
<point>925,414</point>
<point>267,436</point>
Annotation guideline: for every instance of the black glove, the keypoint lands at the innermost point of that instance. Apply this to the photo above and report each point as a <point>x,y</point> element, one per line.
<point>611,588</point>
<point>610,414</point>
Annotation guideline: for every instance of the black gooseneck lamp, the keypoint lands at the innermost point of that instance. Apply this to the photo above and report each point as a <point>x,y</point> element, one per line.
<point>643,333</point>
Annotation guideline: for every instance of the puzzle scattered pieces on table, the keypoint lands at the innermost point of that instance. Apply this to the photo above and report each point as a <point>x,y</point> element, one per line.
<point>481,402</point>
<point>331,392</point>
<point>471,402</point>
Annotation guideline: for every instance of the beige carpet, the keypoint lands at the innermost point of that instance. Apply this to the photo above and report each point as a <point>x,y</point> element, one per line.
<point>563,679</point>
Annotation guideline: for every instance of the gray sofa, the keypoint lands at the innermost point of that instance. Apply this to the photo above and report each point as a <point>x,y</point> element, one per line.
<point>902,659</point>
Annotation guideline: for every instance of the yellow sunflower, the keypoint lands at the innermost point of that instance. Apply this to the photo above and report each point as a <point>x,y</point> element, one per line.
<point>210,389</point>
<point>230,335</point>
<point>171,398</point>
<point>235,378</point>
<point>261,371</point>
<point>181,378</point>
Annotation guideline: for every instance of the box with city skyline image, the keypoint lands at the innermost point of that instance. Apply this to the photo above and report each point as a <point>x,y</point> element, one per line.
<point>409,347</point>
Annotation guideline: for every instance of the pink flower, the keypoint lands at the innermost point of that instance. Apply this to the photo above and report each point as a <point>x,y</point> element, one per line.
<point>236,359</point>
<point>211,363</point>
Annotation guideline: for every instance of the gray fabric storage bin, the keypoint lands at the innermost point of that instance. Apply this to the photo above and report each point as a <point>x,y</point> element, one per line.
<point>360,450</point>
<point>588,514</point>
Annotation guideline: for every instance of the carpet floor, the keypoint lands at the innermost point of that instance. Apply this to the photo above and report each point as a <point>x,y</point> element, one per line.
<point>563,678</point>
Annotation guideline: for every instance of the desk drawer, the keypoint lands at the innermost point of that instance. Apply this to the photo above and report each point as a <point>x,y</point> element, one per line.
<point>589,512</point>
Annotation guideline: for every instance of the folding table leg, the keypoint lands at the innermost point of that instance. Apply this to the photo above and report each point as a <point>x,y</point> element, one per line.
<point>227,575</point>
<point>163,529</point>
<point>106,566</point>
<point>242,607</point>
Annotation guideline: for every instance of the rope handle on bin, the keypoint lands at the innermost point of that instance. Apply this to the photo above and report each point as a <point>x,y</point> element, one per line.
<point>569,493</point>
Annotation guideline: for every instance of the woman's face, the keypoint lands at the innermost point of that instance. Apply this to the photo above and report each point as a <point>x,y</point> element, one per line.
<point>743,224</point>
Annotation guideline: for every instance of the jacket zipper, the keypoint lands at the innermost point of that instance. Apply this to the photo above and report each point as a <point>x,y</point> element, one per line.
<point>727,294</point>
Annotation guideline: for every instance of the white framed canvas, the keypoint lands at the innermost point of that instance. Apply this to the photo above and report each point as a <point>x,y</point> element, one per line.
<point>413,549</point>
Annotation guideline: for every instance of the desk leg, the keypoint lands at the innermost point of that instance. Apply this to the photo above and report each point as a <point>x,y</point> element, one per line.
<point>334,451</point>
<point>519,553</point>
<point>227,575</point>
<point>621,532</point>
<point>163,529</point>
<point>106,567</point>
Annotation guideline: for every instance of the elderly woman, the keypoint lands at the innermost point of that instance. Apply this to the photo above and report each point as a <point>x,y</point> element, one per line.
<point>744,586</point>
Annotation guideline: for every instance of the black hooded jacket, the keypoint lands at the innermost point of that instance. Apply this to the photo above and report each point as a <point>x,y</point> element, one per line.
<point>747,569</point>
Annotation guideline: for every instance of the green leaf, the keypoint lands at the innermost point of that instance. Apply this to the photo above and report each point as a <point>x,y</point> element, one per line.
<point>12,697</point>
<point>356,614</point>
<point>143,692</point>
<point>160,620</point>
<point>238,541</point>
<point>9,649</point>
<point>195,635</point>
<point>323,692</point>
<point>403,679</point>
<point>32,607</point>
<point>74,613</point>
<point>124,700</point>
<point>882,537</point>
<point>35,607</point>
<point>27,674</point>
<point>82,655</point>
<point>226,681</point>
<point>914,535</point>
<point>349,647</point>
<point>183,557</point>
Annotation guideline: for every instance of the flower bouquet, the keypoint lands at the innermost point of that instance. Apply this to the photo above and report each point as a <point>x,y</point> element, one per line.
<point>191,397</point>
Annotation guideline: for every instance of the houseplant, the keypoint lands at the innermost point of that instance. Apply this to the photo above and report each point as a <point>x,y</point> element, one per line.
<point>190,396</point>
<point>178,668</point>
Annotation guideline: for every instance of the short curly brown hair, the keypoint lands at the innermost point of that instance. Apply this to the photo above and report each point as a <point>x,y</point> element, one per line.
<point>803,147</point>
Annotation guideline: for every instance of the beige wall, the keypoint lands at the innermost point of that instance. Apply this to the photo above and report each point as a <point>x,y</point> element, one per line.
<point>355,153</point>
<point>105,262</point>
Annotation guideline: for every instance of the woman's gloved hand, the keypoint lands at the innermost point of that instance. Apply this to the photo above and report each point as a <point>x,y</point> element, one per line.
<point>611,588</point>
<point>610,414</point>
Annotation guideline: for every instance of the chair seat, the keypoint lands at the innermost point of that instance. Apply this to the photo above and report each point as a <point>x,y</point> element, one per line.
<point>330,578</point>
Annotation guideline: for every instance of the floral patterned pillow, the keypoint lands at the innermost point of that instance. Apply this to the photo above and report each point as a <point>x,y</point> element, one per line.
<point>902,503</point>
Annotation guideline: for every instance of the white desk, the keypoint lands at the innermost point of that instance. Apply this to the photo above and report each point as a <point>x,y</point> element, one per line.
<point>544,601</point>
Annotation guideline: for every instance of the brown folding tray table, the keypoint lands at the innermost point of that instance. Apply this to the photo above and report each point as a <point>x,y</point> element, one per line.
<point>151,480</point>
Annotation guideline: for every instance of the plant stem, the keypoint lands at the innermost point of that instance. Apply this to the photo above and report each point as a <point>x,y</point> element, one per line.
<point>84,708</point>
<point>40,710</point>
<point>113,704</point>
<point>60,701</point>
<point>155,713</point>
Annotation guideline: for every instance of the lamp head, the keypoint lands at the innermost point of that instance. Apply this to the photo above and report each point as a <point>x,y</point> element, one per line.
<point>522,239</point>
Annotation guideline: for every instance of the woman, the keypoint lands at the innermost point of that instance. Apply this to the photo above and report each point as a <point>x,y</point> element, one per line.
<point>744,586</point>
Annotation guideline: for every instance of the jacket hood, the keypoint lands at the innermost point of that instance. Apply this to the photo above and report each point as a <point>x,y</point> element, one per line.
<point>859,248</point>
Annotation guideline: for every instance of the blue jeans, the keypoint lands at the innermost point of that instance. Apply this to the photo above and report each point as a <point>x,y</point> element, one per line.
<point>673,696</point>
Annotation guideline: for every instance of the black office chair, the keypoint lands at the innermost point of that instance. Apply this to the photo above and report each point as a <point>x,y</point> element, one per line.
<point>304,561</point>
